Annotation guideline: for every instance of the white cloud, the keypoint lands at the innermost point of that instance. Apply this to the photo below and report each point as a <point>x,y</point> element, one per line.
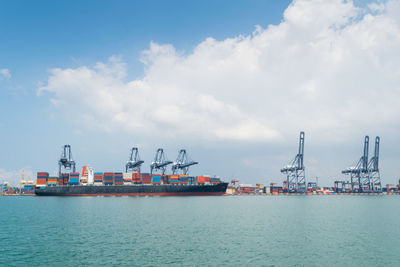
<point>329,68</point>
<point>5,73</point>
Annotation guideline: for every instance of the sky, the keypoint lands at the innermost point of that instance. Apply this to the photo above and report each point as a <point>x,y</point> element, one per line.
<point>232,82</point>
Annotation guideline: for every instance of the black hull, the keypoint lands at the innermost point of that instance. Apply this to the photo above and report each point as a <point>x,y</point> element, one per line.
<point>133,190</point>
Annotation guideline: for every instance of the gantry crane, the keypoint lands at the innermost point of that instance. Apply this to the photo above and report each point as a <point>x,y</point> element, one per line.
<point>160,162</point>
<point>373,169</point>
<point>134,162</point>
<point>295,171</point>
<point>359,177</point>
<point>183,162</point>
<point>66,160</point>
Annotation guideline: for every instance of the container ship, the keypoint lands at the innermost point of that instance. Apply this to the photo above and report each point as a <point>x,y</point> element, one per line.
<point>128,184</point>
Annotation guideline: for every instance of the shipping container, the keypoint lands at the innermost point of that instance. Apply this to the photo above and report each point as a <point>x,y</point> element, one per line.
<point>156,178</point>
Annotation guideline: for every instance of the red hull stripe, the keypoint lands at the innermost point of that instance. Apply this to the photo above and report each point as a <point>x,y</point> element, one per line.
<point>150,194</point>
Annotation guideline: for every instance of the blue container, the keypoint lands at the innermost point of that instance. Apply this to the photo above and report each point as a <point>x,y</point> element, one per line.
<point>108,183</point>
<point>156,179</point>
<point>98,173</point>
<point>73,181</point>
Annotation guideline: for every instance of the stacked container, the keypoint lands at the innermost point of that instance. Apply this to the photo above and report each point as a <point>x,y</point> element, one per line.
<point>41,178</point>
<point>146,178</point>
<point>28,189</point>
<point>191,180</point>
<point>127,178</point>
<point>98,178</point>
<point>215,180</point>
<point>183,179</point>
<point>174,179</point>
<point>164,179</point>
<point>74,178</point>
<point>108,178</point>
<point>118,178</point>
<point>64,177</point>
<point>60,180</point>
<point>156,179</point>
<point>136,178</point>
<point>52,181</point>
<point>276,189</point>
<point>203,179</point>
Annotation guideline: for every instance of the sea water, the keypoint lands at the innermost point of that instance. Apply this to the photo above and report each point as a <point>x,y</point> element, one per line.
<point>194,231</point>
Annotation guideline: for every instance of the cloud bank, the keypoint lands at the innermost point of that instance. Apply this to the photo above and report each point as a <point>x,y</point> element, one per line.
<point>330,68</point>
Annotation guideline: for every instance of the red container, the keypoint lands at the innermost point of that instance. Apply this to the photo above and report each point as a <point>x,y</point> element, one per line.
<point>60,181</point>
<point>41,181</point>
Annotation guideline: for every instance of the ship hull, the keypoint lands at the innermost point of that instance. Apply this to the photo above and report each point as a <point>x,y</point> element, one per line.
<point>133,190</point>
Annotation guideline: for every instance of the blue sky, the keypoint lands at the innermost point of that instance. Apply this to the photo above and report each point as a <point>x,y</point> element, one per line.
<point>40,36</point>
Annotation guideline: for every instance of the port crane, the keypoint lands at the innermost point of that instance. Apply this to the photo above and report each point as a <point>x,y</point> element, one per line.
<point>183,162</point>
<point>66,162</point>
<point>160,162</point>
<point>359,177</point>
<point>295,171</point>
<point>373,169</point>
<point>134,162</point>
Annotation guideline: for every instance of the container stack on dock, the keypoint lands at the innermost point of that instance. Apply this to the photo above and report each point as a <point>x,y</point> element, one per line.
<point>28,189</point>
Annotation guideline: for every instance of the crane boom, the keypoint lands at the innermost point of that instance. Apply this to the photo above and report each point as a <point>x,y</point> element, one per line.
<point>160,162</point>
<point>183,162</point>
<point>134,162</point>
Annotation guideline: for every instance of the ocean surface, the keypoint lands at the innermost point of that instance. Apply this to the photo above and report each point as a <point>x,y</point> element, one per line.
<point>194,231</point>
